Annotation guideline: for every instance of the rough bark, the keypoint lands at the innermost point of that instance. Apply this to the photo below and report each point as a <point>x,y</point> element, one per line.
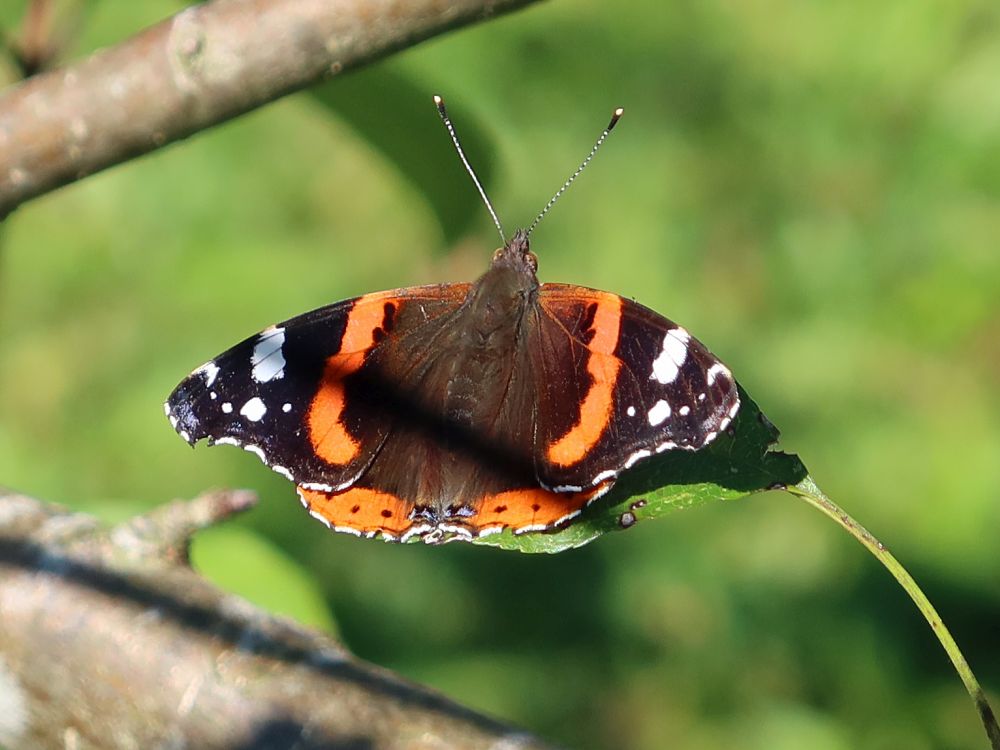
<point>201,67</point>
<point>110,640</point>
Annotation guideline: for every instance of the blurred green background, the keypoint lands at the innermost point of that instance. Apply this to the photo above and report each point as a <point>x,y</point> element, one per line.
<point>812,188</point>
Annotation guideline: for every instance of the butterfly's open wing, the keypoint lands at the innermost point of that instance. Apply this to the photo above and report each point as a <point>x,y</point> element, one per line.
<point>638,385</point>
<point>583,388</point>
<point>283,393</point>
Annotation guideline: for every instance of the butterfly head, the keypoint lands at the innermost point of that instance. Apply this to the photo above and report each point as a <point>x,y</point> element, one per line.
<point>516,255</point>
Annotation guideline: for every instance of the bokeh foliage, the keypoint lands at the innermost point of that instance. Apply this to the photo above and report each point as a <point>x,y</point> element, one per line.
<point>811,188</point>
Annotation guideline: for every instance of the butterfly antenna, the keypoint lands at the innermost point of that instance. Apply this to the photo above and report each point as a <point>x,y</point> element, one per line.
<point>439,103</point>
<point>607,131</point>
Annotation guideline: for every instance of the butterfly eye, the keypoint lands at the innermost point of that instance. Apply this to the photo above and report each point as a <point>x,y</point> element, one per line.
<point>532,261</point>
<point>497,253</point>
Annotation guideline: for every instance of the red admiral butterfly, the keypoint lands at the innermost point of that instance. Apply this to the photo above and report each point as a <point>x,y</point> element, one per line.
<point>454,411</point>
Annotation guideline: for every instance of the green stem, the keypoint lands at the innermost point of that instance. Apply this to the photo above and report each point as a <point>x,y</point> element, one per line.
<point>808,491</point>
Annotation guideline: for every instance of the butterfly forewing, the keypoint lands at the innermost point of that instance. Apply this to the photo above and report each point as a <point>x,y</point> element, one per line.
<point>640,384</point>
<point>290,393</point>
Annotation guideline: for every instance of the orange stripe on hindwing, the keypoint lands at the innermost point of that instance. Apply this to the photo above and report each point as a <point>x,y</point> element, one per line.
<point>365,510</point>
<point>532,508</point>
<point>596,406</point>
<point>327,432</point>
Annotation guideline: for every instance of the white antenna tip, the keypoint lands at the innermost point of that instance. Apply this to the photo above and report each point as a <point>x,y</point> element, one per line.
<point>439,103</point>
<point>614,118</point>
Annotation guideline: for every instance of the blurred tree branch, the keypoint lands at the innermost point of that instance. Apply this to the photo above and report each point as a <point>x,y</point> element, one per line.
<point>110,640</point>
<point>205,65</point>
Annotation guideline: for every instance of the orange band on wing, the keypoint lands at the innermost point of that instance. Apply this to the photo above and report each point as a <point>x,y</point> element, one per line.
<point>533,508</point>
<point>362,509</point>
<point>327,433</point>
<point>595,409</point>
<point>365,318</point>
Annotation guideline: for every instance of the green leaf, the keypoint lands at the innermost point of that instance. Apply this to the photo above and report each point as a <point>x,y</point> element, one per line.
<point>737,464</point>
<point>398,118</point>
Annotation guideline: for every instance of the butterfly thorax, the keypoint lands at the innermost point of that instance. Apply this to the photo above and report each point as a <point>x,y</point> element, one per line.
<point>485,336</point>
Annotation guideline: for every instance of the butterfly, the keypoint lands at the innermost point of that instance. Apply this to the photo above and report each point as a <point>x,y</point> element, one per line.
<point>455,411</point>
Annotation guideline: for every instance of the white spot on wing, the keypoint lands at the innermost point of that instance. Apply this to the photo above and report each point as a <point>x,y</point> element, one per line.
<point>684,410</point>
<point>455,530</point>
<point>659,413</point>
<point>530,528</point>
<point>668,363</point>
<point>727,420</point>
<point>565,488</point>
<point>256,451</point>
<point>209,371</point>
<point>254,409</point>
<point>286,407</point>
<point>418,530</point>
<point>630,411</point>
<point>227,408</point>
<point>606,474</point>
<point>284,472</point>
<point>326,522</point>
<point>319,487</point>
<point>601,492</point>
<point>715,371</point>
<point>637,456</point>
<point>268,361</point>
<point>734,408</point>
